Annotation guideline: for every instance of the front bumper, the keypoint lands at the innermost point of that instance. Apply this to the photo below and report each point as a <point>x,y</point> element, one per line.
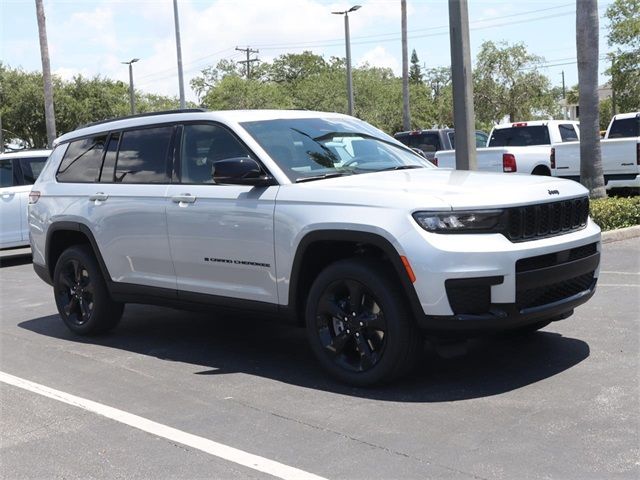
<point>480,282</point>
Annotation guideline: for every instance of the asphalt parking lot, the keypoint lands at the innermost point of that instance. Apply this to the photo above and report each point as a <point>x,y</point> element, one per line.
<point>562,403</point>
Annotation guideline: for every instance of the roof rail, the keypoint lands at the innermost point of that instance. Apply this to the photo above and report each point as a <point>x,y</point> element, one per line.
<point>147,114</point>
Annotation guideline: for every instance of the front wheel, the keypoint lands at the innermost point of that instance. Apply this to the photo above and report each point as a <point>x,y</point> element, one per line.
<point>357,323</point>
<point>81,293</point>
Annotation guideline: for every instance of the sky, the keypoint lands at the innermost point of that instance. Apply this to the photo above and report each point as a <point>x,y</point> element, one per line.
<point>93,37</point>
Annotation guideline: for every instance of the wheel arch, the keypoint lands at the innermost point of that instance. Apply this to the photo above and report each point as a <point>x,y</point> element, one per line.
<point>312,255</point>
<point>64,234</point>
<point>541,169</point>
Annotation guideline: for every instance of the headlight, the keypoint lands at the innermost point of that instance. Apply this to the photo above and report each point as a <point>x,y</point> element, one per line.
<point>470,221</point>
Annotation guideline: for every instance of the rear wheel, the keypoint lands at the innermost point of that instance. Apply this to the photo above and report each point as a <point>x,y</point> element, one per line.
<point>358,325</point>
<point>81,293</point>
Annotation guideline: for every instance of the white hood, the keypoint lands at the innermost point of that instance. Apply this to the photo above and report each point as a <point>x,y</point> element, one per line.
<point>435,188</point>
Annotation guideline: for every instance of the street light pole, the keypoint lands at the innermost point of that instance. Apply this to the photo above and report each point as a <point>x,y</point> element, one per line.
<point>179,51</point>
<point>132,99</point>
<point>348,48</point>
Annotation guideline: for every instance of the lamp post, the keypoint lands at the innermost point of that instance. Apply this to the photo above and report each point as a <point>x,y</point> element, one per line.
<point>132,100</point>
<point>348,46</point>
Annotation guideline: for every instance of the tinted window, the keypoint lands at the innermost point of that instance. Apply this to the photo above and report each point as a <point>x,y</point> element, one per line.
<point>143,154</point>
<point>520,136</point>
<point>6,173</point>
<point>481,139</point>
<point>31,168</point>
<point>427,142</point>
<point>109,164</point>
<point>567,133</point>
<point>202,146</point>
<point>82,161</point>
<point>628,127</point>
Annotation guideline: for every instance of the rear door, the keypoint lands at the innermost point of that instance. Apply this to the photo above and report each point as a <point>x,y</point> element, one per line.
<point>29,170</point>
<point>221,236</point>
<point>11,214</point>
<point>120,182</point>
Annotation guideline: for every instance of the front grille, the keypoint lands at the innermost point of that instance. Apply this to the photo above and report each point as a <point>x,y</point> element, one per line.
<point>554,292</point>
<point>557,258</point>
<point>546,219</point>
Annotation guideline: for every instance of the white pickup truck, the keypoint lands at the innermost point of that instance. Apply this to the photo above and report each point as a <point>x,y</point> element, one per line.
<point>520,147</point>
<point>620,154</point>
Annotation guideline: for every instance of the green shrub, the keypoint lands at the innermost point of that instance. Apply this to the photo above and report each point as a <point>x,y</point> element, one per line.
<point>616,212</point>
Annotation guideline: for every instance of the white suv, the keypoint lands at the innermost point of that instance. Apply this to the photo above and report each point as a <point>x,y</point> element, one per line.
<point>315,217</point>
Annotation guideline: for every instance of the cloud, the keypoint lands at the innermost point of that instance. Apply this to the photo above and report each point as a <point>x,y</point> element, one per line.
<point>380,57</point>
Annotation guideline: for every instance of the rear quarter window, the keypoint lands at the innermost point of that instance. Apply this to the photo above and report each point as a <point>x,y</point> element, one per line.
<point>6,173</point>
<point>567,132</point>
<point>82,161</point>
<point>31,169</point>
<point>624,128</point>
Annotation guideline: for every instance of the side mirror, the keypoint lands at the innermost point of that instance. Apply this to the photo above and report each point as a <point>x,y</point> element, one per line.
<point>240,171</point>
<point>419,152</point>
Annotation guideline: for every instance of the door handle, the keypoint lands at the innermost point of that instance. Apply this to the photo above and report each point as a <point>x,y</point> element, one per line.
<point>184,198</point>
<point>98,197</point>
<point>8,195</point>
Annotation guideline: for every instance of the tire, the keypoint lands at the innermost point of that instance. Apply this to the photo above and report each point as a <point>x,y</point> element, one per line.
<point>81,293</point>
<point>358,325</point>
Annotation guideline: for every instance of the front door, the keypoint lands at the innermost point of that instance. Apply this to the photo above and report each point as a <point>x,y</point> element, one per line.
<point>221,236</point>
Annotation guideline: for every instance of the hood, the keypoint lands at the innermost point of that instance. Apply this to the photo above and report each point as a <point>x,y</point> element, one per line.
<point>438,189</point>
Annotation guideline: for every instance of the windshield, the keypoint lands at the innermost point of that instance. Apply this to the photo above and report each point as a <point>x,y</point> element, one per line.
<point>520,136</point>
<point>315,148</point>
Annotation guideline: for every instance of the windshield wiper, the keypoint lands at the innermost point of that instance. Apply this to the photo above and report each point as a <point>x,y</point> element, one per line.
<point>323,176</point>
<point>400,167</point>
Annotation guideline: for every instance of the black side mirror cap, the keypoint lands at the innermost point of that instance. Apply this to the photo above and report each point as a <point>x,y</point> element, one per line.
<point>240,171</point>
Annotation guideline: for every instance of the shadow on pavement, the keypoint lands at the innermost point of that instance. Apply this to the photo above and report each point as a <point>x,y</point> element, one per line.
<point>15,260</point>
<point>225,344</point>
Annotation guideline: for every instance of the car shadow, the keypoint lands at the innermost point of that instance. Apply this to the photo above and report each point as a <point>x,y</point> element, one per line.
<point>225,343</point>
<point>15,260</point>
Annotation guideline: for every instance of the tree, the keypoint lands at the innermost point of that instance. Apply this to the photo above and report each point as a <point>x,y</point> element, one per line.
<point>406,108</point>
<point>588,51</point>
<point>624,25</point>
<point>46,71</point>
<point>415,71</point>
<point>507,83</point>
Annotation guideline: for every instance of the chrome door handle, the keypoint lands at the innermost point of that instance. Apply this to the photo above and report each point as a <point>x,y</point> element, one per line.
<point>8,195</point>
<point>184,198</point>
<point>98,197</point>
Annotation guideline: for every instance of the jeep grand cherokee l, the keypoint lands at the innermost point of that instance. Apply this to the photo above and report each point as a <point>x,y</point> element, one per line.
<point>317,217</point>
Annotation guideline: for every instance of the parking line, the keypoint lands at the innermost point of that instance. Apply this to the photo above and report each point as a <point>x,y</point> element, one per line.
<point>219,450</point>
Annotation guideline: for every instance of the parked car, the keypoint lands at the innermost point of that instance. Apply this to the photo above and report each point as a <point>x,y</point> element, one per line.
<point>319,218</point>
<point>620,154</point>
<point>18,171</point>
<point>430,141</point>
<point>520,147</point>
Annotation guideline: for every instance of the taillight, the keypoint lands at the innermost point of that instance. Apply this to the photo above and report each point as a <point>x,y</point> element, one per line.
<point>509,163</point>
<point>519,124</point>
<point>638,154</point>
<point>34,196</point>
<point>435,159</point>
<point>552,157</point>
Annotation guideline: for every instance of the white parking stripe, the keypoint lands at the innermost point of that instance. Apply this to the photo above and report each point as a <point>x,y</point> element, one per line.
<point>618,285</point>
<point>225,452</point>
<point>620,273</point>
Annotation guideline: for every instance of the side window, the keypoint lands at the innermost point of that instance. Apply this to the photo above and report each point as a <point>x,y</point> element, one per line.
<point>481,139</point>
<point>142,157</point>
<point>202,146</point>
<point>567,133</point>
<point>109,164</point>
<point>6,173</point>
<point>82,161</point>
<point>31,168</point>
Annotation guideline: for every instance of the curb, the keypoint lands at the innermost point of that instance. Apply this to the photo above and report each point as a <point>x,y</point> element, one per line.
<point>621,234</point>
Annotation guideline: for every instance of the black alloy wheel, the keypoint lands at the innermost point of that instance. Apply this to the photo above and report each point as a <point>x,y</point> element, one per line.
<point>358,325</point>
<point>75,292</point>
<point>81,293</point>
<point>351,325</point>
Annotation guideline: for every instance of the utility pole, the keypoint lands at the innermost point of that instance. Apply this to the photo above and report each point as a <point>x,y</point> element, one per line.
<point>1,136</point>
<point>179,51</point>
<point>564,97</point>
<point>49,113</point>
<point>406,113</point>
<point>249,60</point>
<point>132,97</point>
<point>347,41</point>
<point>463,113</point>
<point>613,88</point>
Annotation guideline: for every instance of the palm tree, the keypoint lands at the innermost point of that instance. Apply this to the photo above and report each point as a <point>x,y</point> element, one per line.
<point>49,113</point>
<point>406,115</point>
<point>588,52</point>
